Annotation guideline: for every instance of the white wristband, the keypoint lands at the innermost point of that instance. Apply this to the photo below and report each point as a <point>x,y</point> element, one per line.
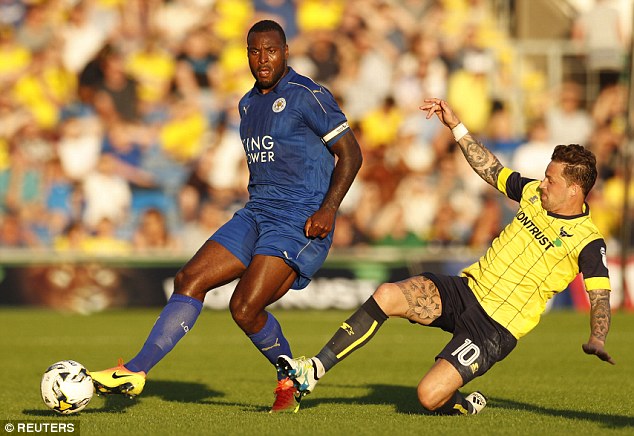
<point>459,132</point>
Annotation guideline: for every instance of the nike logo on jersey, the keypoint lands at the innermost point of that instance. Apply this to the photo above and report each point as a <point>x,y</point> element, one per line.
<point>115,375</point>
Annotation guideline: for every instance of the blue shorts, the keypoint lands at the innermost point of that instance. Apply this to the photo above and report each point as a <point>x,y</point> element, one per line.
<point>249,233</point>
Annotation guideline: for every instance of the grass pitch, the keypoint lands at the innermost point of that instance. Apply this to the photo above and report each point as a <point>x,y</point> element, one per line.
<point>214,382</point>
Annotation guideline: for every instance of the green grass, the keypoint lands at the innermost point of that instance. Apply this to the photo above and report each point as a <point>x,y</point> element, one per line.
<point>214,382</point>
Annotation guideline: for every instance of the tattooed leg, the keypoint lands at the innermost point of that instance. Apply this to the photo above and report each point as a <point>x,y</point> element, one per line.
<point>423,300</point>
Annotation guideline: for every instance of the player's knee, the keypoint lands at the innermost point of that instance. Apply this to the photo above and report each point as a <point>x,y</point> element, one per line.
<point>243,315</point>
<point>185,284</point>
<point>427,399</point>
<point>385,296</point>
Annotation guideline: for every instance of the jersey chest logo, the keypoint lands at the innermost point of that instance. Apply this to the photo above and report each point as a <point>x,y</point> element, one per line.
<point>279,105</point>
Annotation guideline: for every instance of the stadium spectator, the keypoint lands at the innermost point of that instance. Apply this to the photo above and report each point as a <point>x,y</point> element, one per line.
<point>373,58</point>
<point>14,58</point>
<point>500,136</point>
<point>469,89</point>
<point>282,11</point>
<point>381,125</point>
<point>390,228</point>
<point>600,31</point>
<point>120,142</point>
<point>283,234</point>
<point>152,234</point>
<point>532,156</point>
<point>104,240</point>
<point>117,97</point>
<point>347,235</point>
<point>12,12</point>
<point>321,53</point>
<point>81,38</point>
<point>36,32</point>
<point>22,183</point>
<point>419,71</point>
<point>209,218</point>
<point>15,233</point>
<point>498,299</point>
<point>314,15</point>
<point>72,239</point>
<point>115,206</point>
<point>568,121</point>
<point>79,146</point>
<point>489,222</point>
<point>62,199</point>
<point>153,68</point>
<point>196,64</point>
<point>45,88</point>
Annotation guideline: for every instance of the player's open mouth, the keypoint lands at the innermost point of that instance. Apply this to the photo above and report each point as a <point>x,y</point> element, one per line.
<point>264,72</point>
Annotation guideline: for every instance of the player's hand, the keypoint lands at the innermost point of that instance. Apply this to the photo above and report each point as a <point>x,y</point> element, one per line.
<point>319,224</point>
<point>596,348</point>
<point>442,110</point>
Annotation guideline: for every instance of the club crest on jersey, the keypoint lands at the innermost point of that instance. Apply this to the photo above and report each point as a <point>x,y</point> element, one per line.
<point>563,233</point>
<point>279,105</point>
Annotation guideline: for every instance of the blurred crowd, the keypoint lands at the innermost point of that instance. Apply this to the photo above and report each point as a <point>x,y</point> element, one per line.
<point>118,119</point>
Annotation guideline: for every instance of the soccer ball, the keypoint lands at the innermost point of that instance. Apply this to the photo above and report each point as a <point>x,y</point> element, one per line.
<point>66,387</point>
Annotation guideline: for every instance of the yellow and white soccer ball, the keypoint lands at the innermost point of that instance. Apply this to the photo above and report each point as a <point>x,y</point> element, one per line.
<point>66,387</point>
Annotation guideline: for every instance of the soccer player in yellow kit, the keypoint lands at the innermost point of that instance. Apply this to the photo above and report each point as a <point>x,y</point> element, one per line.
<point>501,297</point>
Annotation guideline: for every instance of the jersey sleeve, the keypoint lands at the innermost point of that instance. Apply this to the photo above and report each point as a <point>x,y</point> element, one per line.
<point>593,265</point>
<point>323,115</point>
<point>511,183</point>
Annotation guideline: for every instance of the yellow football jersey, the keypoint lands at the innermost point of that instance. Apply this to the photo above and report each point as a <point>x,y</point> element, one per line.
<point>536,256</point>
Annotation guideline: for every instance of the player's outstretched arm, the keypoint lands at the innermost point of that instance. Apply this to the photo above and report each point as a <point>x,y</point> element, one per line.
<point>349,160</point>
<point>481,159</point>
<point>600,317</point>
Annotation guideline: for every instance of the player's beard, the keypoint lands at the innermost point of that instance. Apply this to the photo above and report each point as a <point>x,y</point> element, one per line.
<point>544,199</point>
<point>269,82</point>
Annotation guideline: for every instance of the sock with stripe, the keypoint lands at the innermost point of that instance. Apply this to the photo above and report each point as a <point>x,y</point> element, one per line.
<point>354,333</point>
<point>177,318</point>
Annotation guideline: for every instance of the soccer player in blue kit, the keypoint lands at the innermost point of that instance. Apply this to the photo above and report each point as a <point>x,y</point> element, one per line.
<point>302,159</point>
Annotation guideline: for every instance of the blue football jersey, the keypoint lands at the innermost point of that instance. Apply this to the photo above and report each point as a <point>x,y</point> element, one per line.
<point>286,135</point>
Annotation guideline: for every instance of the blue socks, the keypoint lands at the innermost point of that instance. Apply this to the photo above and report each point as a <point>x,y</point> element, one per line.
<point>270,340</point>
<point>176,319</point>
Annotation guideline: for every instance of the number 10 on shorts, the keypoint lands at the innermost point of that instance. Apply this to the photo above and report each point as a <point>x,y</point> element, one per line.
<point>467,353</point>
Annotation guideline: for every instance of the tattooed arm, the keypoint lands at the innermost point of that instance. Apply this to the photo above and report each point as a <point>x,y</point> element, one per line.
<point>483,162</point>
<point>599,324</point>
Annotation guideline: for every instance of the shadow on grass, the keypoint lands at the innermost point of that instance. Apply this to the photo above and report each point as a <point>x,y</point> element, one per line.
<point>405,400</point>
<point>188,392</point>
<point>609,421</point>
<point>181,392</point>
